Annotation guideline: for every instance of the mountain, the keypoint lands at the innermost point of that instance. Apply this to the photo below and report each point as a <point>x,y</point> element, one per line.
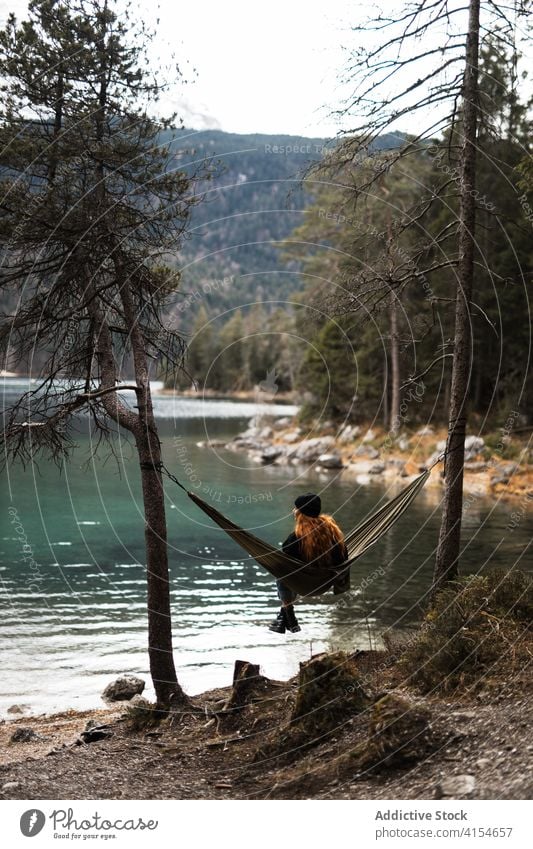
<point>252,203</point>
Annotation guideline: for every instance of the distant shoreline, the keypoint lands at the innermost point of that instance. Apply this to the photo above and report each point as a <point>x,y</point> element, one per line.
<point>366,454</point>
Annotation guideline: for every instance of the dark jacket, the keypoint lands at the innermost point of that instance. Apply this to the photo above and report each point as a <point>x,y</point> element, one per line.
<point>340,578</point>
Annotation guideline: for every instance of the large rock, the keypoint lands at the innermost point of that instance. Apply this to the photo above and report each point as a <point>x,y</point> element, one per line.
<point>361,467</point>
<point>348,433</point>
<point>456,787</point>
<point>330,461</point>
<point>310,450</point>
<point>249,433</point>
<point>292,436</point>
<point>271,454</point>
<point>124,688</point>
<point>376,469</point>
<point>366,451</point>
<point>247,442</point>
<point>473,445</point>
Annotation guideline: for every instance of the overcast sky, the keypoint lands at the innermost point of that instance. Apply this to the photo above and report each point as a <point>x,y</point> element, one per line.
<point>261,67</point>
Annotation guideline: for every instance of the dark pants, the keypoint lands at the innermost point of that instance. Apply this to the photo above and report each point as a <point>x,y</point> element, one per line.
<point>285,595</point>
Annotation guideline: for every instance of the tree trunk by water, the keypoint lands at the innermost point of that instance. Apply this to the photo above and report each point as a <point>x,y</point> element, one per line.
<point>395,368</point>
<point>148,446</point>
<point>447,560</point>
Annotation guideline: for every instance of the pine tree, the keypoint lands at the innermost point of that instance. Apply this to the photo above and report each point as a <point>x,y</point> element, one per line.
<point>91,206</point>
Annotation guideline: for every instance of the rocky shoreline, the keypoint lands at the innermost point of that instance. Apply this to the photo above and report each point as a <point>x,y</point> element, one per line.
<point>366,454</point>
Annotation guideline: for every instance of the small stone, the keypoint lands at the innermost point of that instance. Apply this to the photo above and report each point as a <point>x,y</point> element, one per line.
<point>123,688</point>
<point>404,444</point>
<point>10,785</point>
<point>18,709</point>
<point>139,701</point>
<point>425,431</point>
<point>100,732</point>
<point>455,787</point>
<point>376,469</point>
<point>484,763</point>
<point>25,735</point>
<point>369,436</point>
<point>285,421</point>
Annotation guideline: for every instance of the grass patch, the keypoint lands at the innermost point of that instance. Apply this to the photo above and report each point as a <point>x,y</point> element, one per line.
<point>480,624</point>
<point>504,449</point>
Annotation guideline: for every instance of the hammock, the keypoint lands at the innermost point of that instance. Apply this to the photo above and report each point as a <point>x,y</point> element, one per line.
<point>314,579</point>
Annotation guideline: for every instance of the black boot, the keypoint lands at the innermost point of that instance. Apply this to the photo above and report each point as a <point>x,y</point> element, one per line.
<point>278,625</point>
<point>291,620</point>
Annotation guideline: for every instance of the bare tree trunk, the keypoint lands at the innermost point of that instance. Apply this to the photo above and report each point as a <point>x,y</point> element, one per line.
<point>162,667</point>
<point>58,124</point>
<point>142,426</point>
<point>447,560</point>
<point>386,417</point>
<point>395,368</point>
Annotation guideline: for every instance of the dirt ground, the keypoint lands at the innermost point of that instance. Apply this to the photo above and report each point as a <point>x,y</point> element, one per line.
<point>485,737</point>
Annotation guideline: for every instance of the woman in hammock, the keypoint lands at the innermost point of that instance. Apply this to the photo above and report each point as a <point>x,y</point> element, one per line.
<point>316,538</point>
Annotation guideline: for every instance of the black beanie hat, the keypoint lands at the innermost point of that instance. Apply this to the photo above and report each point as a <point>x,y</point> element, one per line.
<point>309,504</point>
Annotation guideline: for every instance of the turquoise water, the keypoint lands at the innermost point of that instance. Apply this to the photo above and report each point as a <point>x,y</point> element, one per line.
<point>72,570</point>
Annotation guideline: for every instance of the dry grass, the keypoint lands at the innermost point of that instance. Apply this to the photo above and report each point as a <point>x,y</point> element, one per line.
<point>479,627</point>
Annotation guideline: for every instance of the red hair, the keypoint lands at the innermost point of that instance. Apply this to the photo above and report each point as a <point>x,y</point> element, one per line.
<point>317,536</point>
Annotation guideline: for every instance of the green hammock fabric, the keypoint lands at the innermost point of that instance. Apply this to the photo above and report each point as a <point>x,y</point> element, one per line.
<point>313,579</point>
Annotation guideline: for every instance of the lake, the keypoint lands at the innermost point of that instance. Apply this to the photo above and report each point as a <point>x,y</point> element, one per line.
<point>73,577</point>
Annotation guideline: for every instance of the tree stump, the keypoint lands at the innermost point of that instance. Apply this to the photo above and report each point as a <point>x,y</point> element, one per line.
<point>329,693</point>
<point>248,685</point>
